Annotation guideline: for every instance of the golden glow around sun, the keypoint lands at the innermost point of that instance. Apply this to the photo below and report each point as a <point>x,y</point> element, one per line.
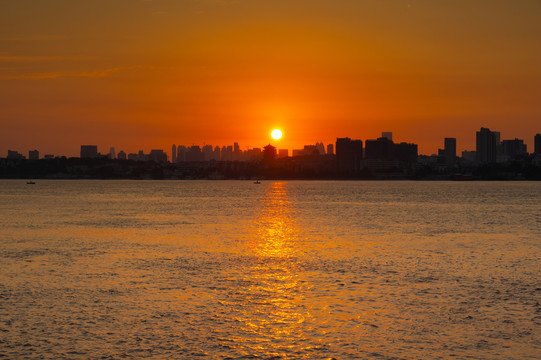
<point>276,134</point>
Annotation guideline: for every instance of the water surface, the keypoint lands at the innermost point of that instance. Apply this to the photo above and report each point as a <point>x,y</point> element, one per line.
<point>280,270</point>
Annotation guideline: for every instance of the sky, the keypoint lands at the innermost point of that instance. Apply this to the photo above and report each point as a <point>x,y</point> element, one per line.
<point>146,74</point>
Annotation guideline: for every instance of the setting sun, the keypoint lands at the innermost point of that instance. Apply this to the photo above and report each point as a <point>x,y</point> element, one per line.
<point>276,134</point>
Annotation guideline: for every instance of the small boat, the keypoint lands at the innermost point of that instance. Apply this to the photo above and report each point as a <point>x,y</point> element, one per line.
<point>257,182</point>
<point>30,183</point>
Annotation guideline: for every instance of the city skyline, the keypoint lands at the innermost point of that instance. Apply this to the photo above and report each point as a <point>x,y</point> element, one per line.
<point>485,150</point>
<point>161,72</point>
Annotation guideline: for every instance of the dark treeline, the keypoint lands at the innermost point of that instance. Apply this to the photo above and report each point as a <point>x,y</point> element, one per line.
<point>301,167</point>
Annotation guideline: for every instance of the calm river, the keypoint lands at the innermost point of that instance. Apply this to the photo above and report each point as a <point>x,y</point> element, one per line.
<point>279,270</point>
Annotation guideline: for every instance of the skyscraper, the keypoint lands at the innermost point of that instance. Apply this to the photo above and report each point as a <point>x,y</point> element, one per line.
<point>537,144</point>
<point>174,153</point>
<point>349,154</point>
<point>330,149</point>
<point>449,150</point>
<point>485,146</point>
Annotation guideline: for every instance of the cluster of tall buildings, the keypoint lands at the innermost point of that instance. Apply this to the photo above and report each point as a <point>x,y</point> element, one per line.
<point>490,149</point>
<point>380,153</point>
<point>351,155</point>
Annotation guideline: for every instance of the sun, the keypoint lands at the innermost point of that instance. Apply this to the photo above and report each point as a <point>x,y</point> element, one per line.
<point>276,134</point>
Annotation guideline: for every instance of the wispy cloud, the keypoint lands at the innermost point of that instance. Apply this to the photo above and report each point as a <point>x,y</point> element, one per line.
<point>84,74</point>
<point>41,37</point>
<point>20,58</point>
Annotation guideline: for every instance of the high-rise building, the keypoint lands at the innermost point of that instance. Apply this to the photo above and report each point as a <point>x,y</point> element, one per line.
<point>514,148</point>
<point>449,150</point>
<point>349,154</point>
<point>121,155</point>
<point>283,153</point>
<point>537,144</point>
<point>227,153</point>
<point>194,153</point>
<point>158,155</point>
<point>208,152</point>
<point>387,134</point>
<point>33,155</point>
<point>485,146</point>
<point>404,152</point>
<point>269,154</point>
<point>330,149</point>
<point>310,150</point>
<point>89,151</point>
<point>141,156</point>
<point>237,154</point>
<point>174,153</point>
<point>217,154</point>
<point>381,149</point>
<point>112,153</point>
<point>320,148</point>
<point>181,153</point>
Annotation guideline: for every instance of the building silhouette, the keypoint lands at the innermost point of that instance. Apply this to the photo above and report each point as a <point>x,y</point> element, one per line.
<point>121,155</point>
<point>158,156</point>
<point>269,154</point>
<point>537,144</point>
<point>33,155</point>
<point>349,154</point>
<point>330,149</point>
<point>14,155</point>
<point>449,150</point>
<point>387,134</point>
<point>194,153</point>
<point>89,151</point>
<point>208,152</point>
<point>283,153</point>
<point>405,152</point>
<point>513,149</point>
<point>174,153</point>
<point>486,146</point>
<point>380,149</point>
<point>320,148</point>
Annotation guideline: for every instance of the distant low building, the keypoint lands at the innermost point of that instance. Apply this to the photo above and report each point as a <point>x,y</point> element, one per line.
<point>514,149</point>
<point>469,156</point>
<point>33,155</point>
<point>14,155</point>
<point>89,151</point>
<point>121,155</point>
<point>158,156</point>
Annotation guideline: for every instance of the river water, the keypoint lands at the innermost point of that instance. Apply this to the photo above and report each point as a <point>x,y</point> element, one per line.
<point>279,270</point>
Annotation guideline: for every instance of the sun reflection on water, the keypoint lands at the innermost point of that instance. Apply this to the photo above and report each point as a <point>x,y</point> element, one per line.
<point>276,230</point>
<point>271,304</point>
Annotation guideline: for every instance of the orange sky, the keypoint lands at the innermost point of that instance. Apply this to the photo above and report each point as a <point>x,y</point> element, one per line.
<point>144,74</point>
